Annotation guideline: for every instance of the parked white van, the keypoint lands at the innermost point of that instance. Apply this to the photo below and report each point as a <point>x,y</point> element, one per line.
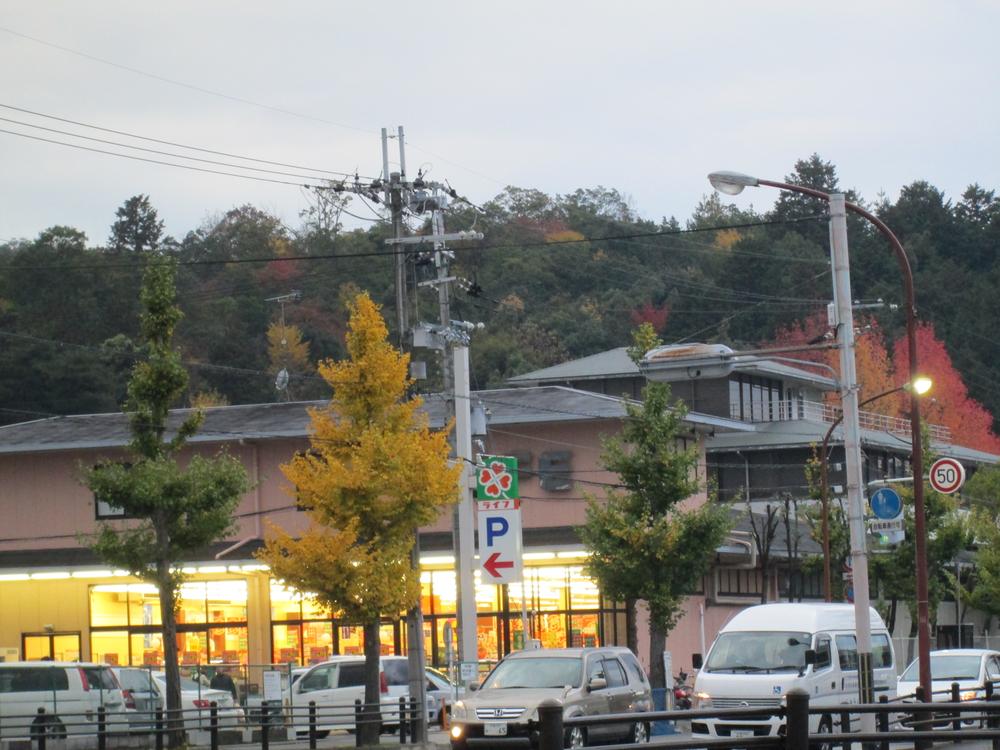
<point>766,650</point>
<point>70,692</point>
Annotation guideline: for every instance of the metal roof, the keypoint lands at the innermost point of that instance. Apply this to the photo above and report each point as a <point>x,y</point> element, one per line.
<point>615,363</point>
<point>290,420</point>
<point>799,433</point>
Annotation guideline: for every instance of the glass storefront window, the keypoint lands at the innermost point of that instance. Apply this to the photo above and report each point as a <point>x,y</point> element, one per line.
<point>444,599</point>
<point>108,606</point>
<point>286,604</point>
<point>313,610</point>
<point>583,630</point>
<point>199,603</point>
<point>109,647</point>
<point>226,601</point>
<point>583,592</point>
<point>191,603</point>
<point>147,649</point>
<point>286,646</point>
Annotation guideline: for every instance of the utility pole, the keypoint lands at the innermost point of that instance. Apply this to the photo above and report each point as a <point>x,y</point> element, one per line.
<point>852,451</point>
<point>395,188</point>
<point>396,194</point>
<point>452,339</point>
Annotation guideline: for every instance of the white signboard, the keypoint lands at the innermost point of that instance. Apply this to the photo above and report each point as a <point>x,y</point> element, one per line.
<point>272,685</point>
<point>500,540</point>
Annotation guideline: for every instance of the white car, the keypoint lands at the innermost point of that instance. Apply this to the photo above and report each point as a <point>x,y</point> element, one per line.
<point>69,692</point>
<point>334,685</point>
<point>145,691</point>
<point>443,690</point>
<point>969,667</point>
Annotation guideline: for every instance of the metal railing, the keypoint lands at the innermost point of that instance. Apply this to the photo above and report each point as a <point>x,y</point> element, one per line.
<point>104,728</point>
<point>819,411</point>
<point>918,723</point>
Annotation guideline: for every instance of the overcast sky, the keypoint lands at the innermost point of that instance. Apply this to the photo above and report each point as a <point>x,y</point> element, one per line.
<point>644,97</point>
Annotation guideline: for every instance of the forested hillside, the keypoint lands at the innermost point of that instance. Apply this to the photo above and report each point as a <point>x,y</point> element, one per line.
<point>555,277</point>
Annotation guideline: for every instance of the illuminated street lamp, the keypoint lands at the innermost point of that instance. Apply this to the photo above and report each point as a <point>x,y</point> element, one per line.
<point>733,183</point>
<point>920,385</point>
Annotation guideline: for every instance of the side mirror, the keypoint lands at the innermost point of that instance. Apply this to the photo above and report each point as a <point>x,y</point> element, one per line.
<point>696,661</point>
<point>472,687</point>
<point>597,683</point>
<point>810,656</point>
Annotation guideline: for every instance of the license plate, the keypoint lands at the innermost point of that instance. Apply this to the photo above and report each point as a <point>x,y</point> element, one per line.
<point>741,733</point>
<point>495,729</point>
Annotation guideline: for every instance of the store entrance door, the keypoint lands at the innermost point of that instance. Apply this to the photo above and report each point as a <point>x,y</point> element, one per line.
<point>51,646</point>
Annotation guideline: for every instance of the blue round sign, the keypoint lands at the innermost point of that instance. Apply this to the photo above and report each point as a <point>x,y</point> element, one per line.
<point>886,503</point>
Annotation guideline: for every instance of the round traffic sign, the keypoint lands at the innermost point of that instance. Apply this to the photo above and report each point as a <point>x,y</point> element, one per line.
<point>946,475</point>
<point>886,503</point>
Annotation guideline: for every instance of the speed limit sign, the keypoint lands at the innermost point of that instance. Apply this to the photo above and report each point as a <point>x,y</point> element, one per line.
<point>946,475</point>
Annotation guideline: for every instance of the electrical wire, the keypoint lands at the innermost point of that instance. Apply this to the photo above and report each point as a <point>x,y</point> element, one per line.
<point>165,142</point>
<point>386,253</point>
<point>157,151</point>
<point>156,161</point>
<point>181,84</point>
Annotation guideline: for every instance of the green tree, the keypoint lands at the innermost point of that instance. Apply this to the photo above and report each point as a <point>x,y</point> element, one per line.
<point>138,228</point>
<point>982,493</point>
<point>374,474</point>
<point>643,543</point>
<point>176,510</point>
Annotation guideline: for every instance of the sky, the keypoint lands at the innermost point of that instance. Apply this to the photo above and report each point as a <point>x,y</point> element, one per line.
<point>643,97</point>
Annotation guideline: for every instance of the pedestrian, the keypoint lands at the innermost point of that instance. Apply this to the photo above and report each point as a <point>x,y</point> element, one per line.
<point>223,681</point>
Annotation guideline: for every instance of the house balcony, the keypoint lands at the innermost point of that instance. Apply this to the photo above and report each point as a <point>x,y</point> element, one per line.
<point>817,411</point>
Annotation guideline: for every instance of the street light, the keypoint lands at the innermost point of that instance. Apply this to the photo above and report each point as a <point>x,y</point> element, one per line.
<point>920,385</point>
<point>733,183</point>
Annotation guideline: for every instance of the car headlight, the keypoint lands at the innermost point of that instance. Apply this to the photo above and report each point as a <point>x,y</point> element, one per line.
<point>458,710</point>
<point>703,700</point>
<point>970,695</point>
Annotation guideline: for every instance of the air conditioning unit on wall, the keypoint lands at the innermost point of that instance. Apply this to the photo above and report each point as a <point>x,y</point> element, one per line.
<point>9,653</point>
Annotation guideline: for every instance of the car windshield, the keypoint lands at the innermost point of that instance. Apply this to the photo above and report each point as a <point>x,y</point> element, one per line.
<point>758,652</point>
<point>536,672</point>
<point>946,667</point>
<point>136,679</point>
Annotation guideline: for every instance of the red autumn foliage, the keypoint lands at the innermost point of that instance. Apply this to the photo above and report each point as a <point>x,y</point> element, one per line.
<point>650,313</point>
<point>948,403</point>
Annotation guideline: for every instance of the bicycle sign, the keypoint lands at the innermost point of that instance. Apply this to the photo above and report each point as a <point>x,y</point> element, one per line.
<point>946,475</point>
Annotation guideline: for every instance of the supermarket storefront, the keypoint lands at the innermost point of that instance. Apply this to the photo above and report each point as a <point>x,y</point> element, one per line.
<point>236,613</point>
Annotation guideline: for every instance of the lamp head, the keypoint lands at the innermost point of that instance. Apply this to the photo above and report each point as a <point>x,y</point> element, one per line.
<point>732,183</point>
<point>921,384</point>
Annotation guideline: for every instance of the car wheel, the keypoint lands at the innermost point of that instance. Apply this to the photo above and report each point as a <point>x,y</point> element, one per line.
<point>825,727</point>
<point>576,737</point>
<point>640,733</point>
<point>459,744</point>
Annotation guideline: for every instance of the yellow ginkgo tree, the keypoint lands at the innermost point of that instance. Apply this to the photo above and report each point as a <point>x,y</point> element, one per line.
<point>374,474</point>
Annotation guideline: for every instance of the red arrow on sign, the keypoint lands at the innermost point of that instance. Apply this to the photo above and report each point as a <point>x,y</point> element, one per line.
<point>492,565</point>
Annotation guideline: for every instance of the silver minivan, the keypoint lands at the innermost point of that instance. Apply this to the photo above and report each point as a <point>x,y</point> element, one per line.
<point>69,692</point>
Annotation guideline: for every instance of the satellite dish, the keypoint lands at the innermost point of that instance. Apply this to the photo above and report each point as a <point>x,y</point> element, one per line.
<point>281,381</point>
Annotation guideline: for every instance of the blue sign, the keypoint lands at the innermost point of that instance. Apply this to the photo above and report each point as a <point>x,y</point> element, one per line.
<point>886,503</point>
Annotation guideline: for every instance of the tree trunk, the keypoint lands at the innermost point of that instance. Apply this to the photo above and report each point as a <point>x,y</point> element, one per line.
<point>171,664</point>
<point>657,642</point>
<point>631,627</point>
<point>370,730</point>
<point>891,624</point>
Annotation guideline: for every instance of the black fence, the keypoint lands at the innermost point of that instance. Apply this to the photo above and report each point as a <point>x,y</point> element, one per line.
<point>272,722</point>
<point>918,723</point>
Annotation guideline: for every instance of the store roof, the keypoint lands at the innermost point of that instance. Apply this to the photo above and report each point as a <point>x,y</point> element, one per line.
<point>506,406</point>
<point>615,363</point>
<point>798,433</point>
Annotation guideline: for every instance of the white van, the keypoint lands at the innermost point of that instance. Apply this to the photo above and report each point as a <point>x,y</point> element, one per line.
<point>70,692</point>
<point>766,650</point>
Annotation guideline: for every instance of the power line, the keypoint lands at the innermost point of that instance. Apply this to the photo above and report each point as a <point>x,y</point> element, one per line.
<point>157,151</point>
<point>156,161</point>
<point>182,84</point>
<point>169,143</point>
<point>388,253</point>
